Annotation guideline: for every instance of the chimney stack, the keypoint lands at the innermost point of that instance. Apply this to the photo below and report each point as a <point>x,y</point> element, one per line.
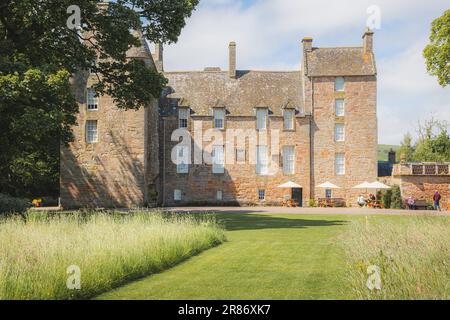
<point>232,60</point>
<point>391,156</point>
<point>158,57</point>
<point>307,44</point>
<point>368,41</point>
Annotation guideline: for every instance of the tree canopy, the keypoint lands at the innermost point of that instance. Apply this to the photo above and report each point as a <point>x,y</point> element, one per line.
<point>38,54</point>
<point>437,53</point>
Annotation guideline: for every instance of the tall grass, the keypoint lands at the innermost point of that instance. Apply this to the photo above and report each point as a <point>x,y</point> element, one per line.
<point>108,248</point>
<point>413,257</point>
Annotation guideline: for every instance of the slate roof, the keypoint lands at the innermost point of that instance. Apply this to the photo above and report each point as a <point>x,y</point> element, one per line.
<point>342,61</point>
<point>204,90</point>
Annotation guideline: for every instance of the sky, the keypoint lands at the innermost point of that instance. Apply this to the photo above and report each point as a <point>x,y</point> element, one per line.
<point>268,35</point>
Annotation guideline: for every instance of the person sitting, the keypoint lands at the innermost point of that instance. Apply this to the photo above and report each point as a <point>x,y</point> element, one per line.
<point>411,203</point>
<point>361,201</point>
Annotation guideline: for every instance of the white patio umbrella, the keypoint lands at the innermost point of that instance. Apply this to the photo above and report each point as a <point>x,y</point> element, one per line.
<point>379,185</point>
<point>289,184</point>
<point>364,185</point>
<point>328,185</point>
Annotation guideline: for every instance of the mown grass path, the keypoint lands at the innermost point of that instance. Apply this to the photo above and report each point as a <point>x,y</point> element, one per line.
<point>287,256</point>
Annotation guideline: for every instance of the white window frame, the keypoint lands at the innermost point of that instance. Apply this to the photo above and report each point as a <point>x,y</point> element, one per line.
<point>183,117</point>
<point>91,100</point>
<point>262,159</point>
<point>339,164</point>
<point>182,159</point>
<point>219,118</point>
<point>177,195</point>
<point>339,107</point>
<point>288,121</point>
<point>288,159</point>
<point>262,115</point>
<point>91,131</point>
<point>339,132</point>
<point>261,194</point>
<point>339,84</point>
<point>219,195</point>
<point>218,159</point>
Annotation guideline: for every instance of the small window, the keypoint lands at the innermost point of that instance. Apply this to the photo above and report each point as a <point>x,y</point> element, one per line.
<point>339,132</point>
<point>219,118</point>
<point>219,195</point>
<point>91,131</point>
<point>288,159</point>
<point>339,107</point>
<point>340,164</point>
<point>328,193</point>
<point>183,114</point>
<point>261,194</point>
<point>240,155</point>
<point>261,118</point>
<point>177,194</point>
<point>339,84</point>
<point>91,100</point>
<point>182,159</point>
<point>261,160</point>
<point>218,159</point>
<point>289,119</point>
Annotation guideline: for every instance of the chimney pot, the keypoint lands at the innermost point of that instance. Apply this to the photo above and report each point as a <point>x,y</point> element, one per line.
<point>307,44</point>
<point>232,60</point>
<point>368,41</point>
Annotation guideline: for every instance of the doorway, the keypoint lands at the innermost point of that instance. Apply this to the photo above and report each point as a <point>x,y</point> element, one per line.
<point>297,195</point>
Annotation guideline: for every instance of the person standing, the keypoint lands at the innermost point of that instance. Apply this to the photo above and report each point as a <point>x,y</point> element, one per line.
<point>436,199</point>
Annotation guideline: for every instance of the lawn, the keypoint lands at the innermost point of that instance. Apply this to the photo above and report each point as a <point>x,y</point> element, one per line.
<point>266,257</point>
<point>295,256</point>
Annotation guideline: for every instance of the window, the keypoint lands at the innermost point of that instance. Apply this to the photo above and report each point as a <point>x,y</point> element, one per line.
<point>177,194</point>
<point>218,159</point>
<point>92,100</point>
<point>219,118</point>
<point>261,194</point>
<point>339,107</point>
<point>240,155</point>
<point>261,118</point>
<point>339,132</point>
<point>91,131</point>
<point>339,84</point>
<point>328,193</point>
<point>340,164</point>
<point>288,159</point>
<point>183,117</point>
<point>219,195</point>
<point>93,66</point>
<point>289,119</point>
<point>261,160</point>
<point>182,160</point>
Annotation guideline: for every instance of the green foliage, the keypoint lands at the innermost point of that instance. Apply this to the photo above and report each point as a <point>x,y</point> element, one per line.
<point>432,145</point>
<point>312,203</point>
<point>386,198</point>
<point>437,53</point>
<point>396,198</point>
<point>10,204</point>
<point>39,53</point>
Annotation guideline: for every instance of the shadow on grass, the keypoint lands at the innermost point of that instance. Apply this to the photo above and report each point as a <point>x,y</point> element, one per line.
<point>247,221</point>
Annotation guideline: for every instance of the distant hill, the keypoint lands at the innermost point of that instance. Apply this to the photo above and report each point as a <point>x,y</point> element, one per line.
<point>383,150</point>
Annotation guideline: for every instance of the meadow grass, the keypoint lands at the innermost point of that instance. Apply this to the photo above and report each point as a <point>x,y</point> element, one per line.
<point>109,249</point>
<point>413,255</point>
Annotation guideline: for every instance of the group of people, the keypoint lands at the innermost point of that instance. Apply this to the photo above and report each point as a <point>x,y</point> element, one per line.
<point>363,202</point>
<point>411,202</point>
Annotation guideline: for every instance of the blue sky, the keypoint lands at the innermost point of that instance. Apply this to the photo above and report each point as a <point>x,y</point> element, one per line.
<point>268,34</point>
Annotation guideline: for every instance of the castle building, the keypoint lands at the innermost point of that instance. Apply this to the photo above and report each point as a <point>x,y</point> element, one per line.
<point>230,137</point>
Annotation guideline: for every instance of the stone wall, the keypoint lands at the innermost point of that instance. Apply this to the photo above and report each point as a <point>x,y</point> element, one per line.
<point>360,145</point>
<point>423,188</point>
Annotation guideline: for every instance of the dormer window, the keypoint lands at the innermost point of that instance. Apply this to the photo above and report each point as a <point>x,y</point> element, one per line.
<point>339,84</point>
<point>91,100</point>
<point>261,118</point>
<point>289,119</point>
<point>183,114</point>
<point>219,118</point>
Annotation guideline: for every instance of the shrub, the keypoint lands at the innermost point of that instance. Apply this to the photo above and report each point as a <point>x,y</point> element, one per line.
<point>396,198</point>
<point>10,204</point>
<point>386,198</point>
<point>312,203</point>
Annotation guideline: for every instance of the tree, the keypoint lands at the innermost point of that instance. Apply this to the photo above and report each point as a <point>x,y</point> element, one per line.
<point>437,53</point>
<point>39,52</point>
<point>406,149</point>
<point>396,198</point>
